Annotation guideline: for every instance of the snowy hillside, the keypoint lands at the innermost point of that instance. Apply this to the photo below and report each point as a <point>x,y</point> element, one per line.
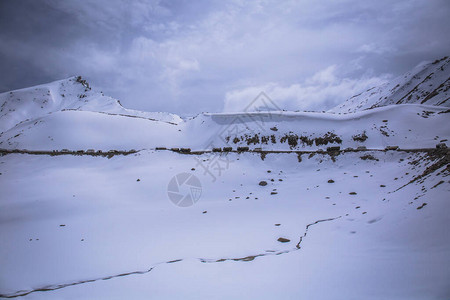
<point>404,126</point>
<point>289,205</point>
<point>68,94</point>
<point>427,84</point>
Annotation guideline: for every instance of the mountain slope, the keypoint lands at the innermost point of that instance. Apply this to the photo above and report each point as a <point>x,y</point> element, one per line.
<point>69,94</point>
<point>426,84</point>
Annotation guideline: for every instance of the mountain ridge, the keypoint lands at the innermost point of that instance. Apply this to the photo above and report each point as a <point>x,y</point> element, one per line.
<point>427,83</point>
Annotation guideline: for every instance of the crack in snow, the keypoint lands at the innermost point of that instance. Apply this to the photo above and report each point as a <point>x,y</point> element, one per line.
<point>61,286</point>
<point>270,252</point>
<point>48,288</point>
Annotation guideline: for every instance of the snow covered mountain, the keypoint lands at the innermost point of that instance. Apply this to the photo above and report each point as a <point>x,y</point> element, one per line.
<point>68,94</point>
<point>290,205</point>
<point>47,121</point>
<point>428,84</point>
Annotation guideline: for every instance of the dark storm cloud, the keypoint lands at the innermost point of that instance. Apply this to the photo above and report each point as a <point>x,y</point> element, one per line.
<point>189,56</point>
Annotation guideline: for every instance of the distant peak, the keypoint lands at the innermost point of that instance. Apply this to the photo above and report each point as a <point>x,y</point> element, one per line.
<point>428,83</point>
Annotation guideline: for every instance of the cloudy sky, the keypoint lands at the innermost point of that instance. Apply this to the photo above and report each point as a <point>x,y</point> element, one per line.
<point>190,56</point>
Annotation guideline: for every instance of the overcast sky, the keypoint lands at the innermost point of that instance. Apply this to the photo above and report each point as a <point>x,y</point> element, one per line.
<point>190,56</point>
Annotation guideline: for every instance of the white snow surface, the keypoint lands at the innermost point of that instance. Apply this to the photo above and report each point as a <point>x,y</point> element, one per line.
<point>361,225</point>
<point>380,247</point>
